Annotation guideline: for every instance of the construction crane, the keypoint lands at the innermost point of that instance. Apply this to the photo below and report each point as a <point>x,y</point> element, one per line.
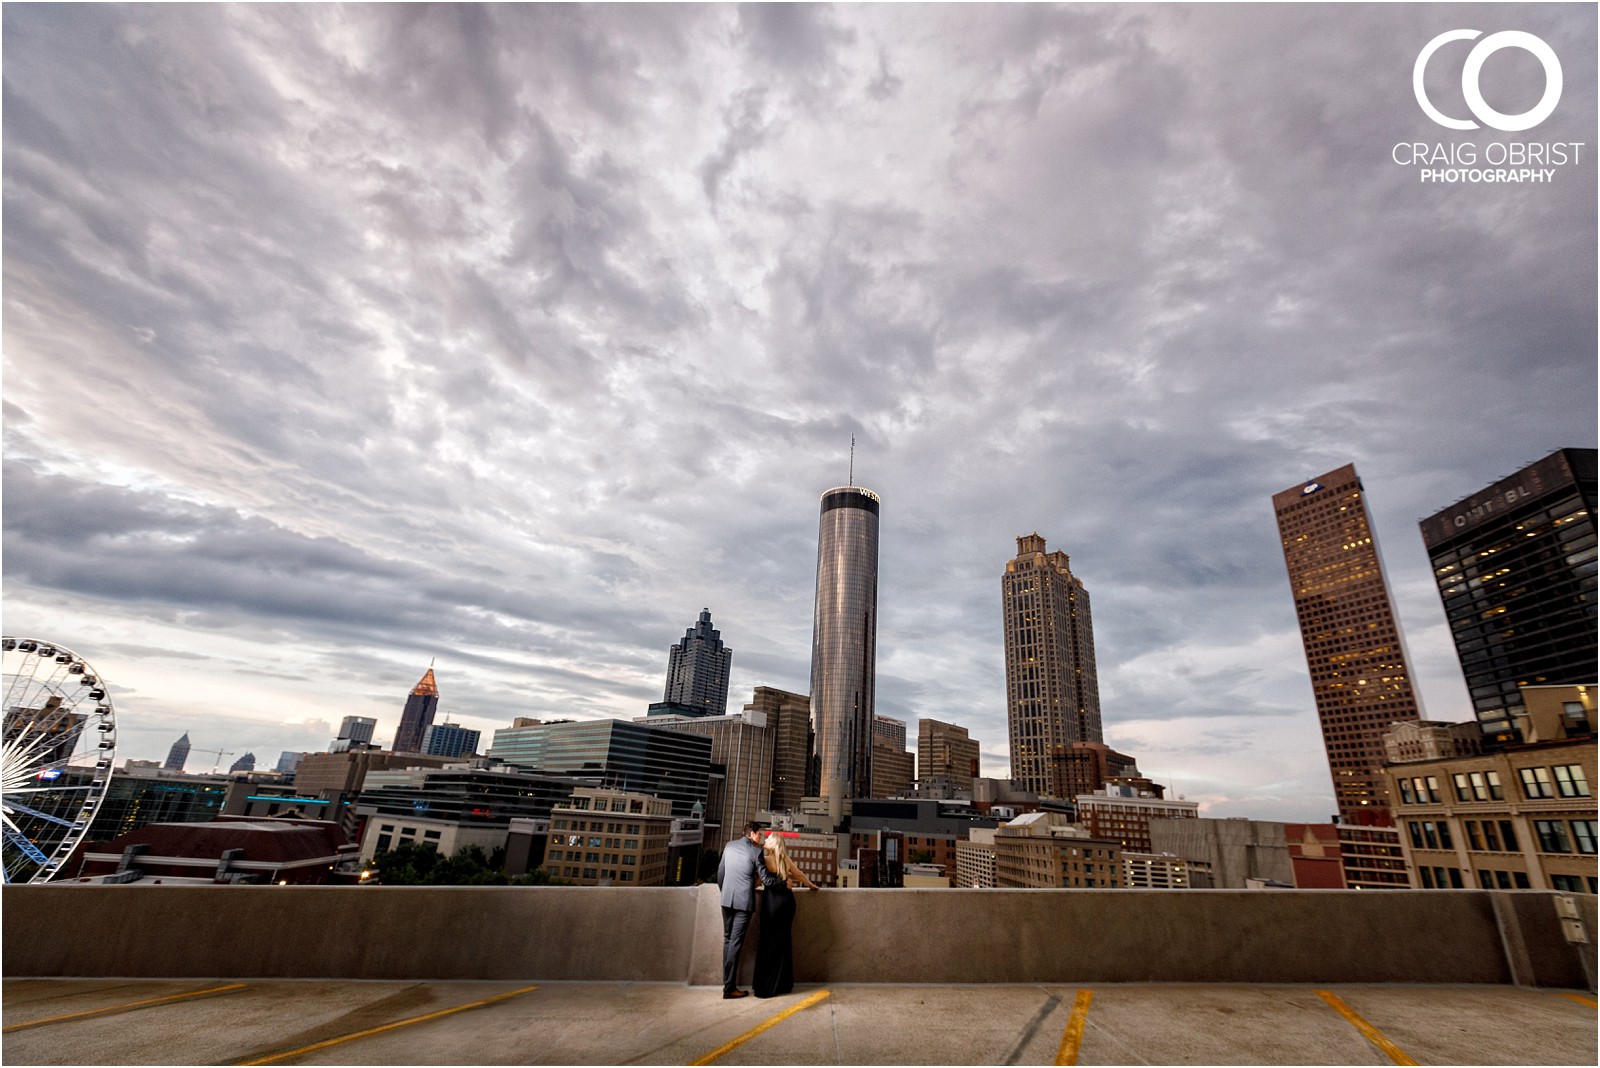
<point>220,753</point>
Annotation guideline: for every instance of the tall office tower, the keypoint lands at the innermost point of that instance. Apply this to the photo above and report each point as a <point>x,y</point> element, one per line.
<point>178,754</point>
<point>1360,678</point>
<point>1052,693</point>
<point>697,670</point>
<point>789,716</point>
<point>1515,565</point>
<point>947,760</point>
<point>244,763</point>
<point>844,644</point>
<point>357,729</point>
<point>450,740</point>
<point>893,769</point>
<point>417,716</point>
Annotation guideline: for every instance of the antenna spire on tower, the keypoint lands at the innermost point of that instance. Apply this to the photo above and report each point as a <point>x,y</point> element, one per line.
<point>852,460</point>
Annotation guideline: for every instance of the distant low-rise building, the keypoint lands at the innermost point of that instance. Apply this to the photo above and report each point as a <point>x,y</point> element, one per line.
<point>454,807</point>
<point>220,852</point>
<point>1124,813</point>
<point>1372,857</point>
<point>1154,871</point>
<point>1044,849</point>
<point>1223,854</point>
<point>1425,739</point>
<point>605,837</point>
<point>975,865</point>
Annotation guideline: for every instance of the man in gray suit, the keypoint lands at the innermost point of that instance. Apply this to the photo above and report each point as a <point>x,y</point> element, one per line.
<point>736,876</point>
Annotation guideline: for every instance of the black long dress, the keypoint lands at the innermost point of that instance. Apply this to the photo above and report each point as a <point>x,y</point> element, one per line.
<point>774,958</point>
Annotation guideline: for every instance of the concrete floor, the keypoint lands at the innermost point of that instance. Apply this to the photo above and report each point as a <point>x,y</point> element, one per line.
<point>137,1021</point>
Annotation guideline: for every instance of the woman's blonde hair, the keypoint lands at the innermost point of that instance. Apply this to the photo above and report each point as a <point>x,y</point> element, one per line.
<point>775,854</point>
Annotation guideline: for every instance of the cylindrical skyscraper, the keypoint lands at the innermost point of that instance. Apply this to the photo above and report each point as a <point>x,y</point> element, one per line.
<point>844,642</point>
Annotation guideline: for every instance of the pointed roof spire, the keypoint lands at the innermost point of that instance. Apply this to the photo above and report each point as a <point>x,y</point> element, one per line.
<point>427,687</point>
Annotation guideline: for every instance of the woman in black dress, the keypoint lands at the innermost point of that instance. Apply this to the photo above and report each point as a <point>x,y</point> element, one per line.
<point>774,957</point>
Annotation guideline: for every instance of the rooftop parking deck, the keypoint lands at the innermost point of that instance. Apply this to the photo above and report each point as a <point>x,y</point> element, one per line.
<point>593,975</point>
<point>110,1021</point>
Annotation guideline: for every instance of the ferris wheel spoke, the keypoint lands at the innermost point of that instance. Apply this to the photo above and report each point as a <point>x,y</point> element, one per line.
<point>36,814</point>
<point>20,840</point>
<point>51,789</point>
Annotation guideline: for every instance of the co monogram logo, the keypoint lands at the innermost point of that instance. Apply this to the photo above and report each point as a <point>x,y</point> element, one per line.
<point>1474,67</point>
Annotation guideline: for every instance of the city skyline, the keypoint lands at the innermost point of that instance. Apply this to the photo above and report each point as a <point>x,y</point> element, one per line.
<point>337,340</point>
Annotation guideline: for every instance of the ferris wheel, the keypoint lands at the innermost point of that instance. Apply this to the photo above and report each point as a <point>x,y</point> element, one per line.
<point>59,742</point>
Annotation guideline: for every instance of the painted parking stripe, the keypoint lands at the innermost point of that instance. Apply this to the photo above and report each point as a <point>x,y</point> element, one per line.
<point>286,1054</point>
<point>1582,1000</point>
<point>1375,1036</point>
<point>1072,1038</point>
<point>729,1046</point>
<point>124,1008</point>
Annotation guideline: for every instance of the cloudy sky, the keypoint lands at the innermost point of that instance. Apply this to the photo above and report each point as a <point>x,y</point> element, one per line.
<point>339,341</point>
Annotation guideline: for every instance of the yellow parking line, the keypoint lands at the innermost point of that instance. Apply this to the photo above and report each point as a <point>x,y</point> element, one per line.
<point>734,1044</point>
<point>1073,1036</point>
<point>1375,1036</point>
<point>285,1055</point>
<point>122,1008</point>
<point>1582,1000</point>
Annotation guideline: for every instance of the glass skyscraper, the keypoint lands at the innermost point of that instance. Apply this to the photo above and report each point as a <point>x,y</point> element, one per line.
<point>1360,677</point>
<point>1515,563</point>
<point>633,757</point>
<point>1052,690</point>
<point>697,670</point>
<point>844,643</point>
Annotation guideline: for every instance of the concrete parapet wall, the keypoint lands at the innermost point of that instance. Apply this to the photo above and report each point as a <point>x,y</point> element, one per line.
<point>853,936</point>
<point>391,932</point>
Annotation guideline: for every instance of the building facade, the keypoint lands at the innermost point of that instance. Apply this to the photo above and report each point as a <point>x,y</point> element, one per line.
<point>1372,857</point>
<point>844,644</point>
<point>1085,767</point>
<point>635,757</point>
<point>947,760</point>
<point>893,768</point>
<point>1043,850</point>
<point>742,746</point>
<point>1052,691</point>
<point>356,730</point>
<point>789,717</point>
<point>1225,854</point>
<point>610,838</point>
<point>1517,817</point>
<point>1515,564</point>
<point>697,669</point>
<point>1360,676</point>
<point>1123,813</point>
<point>417,716</point>
<point>1154,871</point>
<point>975,864</point>
<point>450,740</point>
